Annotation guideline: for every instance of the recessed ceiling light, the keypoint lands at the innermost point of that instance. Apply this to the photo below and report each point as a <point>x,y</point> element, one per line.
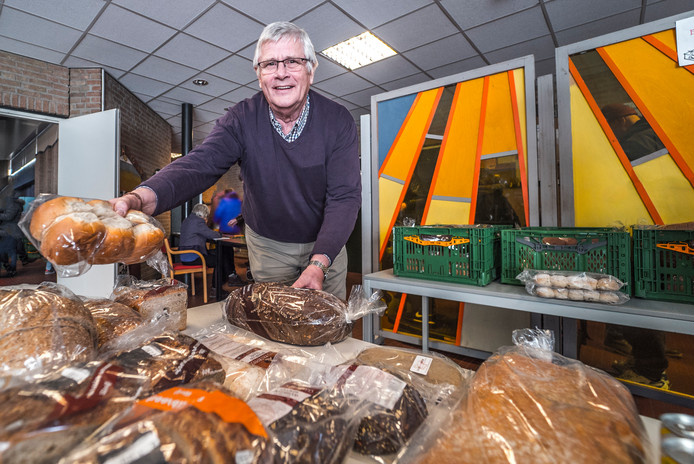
<point>200,82</point>
<point>359,51</point>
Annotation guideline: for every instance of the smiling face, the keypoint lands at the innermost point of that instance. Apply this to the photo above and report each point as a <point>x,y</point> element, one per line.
<point>285,90</point>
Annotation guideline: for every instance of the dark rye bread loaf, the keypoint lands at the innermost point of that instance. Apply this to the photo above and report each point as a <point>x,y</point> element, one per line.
<point>112,319</point>
<point>297,316</point>
<point>42,328</point>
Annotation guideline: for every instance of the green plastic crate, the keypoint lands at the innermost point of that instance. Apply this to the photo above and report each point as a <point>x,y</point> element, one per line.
<point>584,249</point>
<point>664,264</point>
<point>459,254</point>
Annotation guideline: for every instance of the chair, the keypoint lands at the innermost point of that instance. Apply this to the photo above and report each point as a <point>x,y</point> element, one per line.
<point>182,268</point>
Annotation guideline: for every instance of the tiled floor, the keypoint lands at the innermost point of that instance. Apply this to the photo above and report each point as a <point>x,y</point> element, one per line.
<point>33,273</point>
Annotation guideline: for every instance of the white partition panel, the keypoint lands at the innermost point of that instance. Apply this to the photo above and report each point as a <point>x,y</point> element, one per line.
<point>88,167</point>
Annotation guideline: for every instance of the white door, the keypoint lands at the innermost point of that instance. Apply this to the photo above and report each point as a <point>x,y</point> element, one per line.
<point>88,167</point>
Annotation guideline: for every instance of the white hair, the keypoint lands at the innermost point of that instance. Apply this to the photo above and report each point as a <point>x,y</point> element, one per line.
<point>282,30</point>
<point>201,210</point>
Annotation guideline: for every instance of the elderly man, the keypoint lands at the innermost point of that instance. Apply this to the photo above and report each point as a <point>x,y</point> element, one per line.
<point>299,159</point>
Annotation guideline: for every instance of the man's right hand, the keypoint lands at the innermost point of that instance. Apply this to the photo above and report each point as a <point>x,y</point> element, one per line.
<point>142,199</point>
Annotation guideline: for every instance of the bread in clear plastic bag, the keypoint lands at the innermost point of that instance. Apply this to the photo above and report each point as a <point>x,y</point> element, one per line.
<point>574,286</point>
<point>74,233</point>
<point>298,316</point>
<point>528,404</point>
<point>153,297</point>
<point>42,328</point>
<point>199,422</point>
<point>112,319</point>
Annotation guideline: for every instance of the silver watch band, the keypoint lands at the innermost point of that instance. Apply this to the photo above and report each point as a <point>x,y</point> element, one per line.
<point>320,266</point>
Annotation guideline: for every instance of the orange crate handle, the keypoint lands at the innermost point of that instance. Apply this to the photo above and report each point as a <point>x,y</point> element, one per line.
<point>440,240</point>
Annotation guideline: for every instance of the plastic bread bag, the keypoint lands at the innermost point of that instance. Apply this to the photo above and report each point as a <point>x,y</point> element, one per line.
<point>167,360</point>
<point>41,421</point>
<point>153,297</point>
<point>112,319</point>
<point>200,422</point>
<point>297,316</point>
<point>573,285</point>
<point>74,233</point>
<point>438,379</point>
<point>526,403</point>
<point>42,328</point>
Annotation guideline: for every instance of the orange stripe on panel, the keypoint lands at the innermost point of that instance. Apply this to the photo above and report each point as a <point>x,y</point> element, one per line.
<point>396,326</point>
<point>423,129</point>
<point>666,50</point>
<point>439,160</point>
<point>652,120</point>
<point>400,132</point>
<point>615,144</point>
<point>478,154</point>
<point>519,146</point>
<point>459,330</point>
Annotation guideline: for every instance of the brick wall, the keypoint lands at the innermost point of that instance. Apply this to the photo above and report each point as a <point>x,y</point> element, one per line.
<point>85,91</point>
<point>31,85</point>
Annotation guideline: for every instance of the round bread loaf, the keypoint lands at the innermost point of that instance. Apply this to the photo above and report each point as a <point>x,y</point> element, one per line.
<point>147,238</point>
<point>44,215</point>
<point>72,238</point>
<point>112,319</point>
<point>118,242</point>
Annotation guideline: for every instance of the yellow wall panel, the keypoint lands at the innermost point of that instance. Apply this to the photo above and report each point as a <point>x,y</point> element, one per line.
<point>519,80</point>
<point>671,192</point>
<point>448,212</point>
<point>388,201</point>
<point>499,129</point>
<point>668,38</point>
<point>457,159</point>
<point>407,145</point>
<point>603,192</point>
<point>647,69</point>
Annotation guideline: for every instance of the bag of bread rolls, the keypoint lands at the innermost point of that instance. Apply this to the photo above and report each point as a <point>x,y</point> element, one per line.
<point>298,316</point>
<point>75,233</point>
<point>527,403</point>
<point>574,285</point>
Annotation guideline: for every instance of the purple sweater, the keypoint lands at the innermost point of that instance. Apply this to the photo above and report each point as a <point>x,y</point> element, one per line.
<point>299,192</point>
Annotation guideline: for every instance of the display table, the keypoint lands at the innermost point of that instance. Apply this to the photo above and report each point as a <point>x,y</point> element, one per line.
<point>202,317</point>
<point>651,314</point>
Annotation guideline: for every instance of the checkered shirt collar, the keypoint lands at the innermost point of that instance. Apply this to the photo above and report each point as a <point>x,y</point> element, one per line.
<point>298,126</point>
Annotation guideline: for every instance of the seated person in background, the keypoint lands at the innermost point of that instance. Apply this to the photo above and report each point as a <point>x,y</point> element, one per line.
<point>8,253</point>
<point>194,236</point>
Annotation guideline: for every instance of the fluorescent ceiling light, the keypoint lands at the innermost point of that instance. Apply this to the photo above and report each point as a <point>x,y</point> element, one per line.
<point>359,51</point>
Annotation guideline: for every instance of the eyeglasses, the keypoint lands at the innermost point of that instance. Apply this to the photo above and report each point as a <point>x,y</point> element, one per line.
<point>291,64</point>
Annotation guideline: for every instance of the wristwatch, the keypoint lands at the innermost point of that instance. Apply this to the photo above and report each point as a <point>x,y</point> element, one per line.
<point>320,266</point>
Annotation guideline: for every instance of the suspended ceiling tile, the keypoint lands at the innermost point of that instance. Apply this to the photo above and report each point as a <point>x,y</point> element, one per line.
<point>74,13</point>
<point>191,52</point>
<point>174,13</point>
<point>236,69</point>
<point>374,13</point>
<point>175,122</point>
<point>225,28</point>
<point>37,31</point>
<point>32,51</point>
<point>239,94</point>
<point>164,70</point>
<point>470,13</point>
<point>144,85</point>
<point>109,53</point>
<point>327,69</point>
<point>447,50</point>
<point>268,11</point>
<point>405,82</point>
<point>165,106</point>
<point>542,48</point>
<point>362,98</point>
<point>127,28</point>
<point>217,105</point>
<point>327,26</point>
<point>215,85</point>
<point>186,96</point>
<point>597,28</point>
<point>460,66</point>
<point>429,23</point>
<point>662,9</point>
<point>145,98</point>
<point>75,62</point>
<point>349,105</point>
<point>344,84</point>
<point>519,27</point>
<point>384,70</point>
<point>201,116</point>
<point>565,14</point>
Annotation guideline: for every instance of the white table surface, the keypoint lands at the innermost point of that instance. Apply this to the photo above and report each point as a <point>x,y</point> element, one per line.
<point>202,317</point>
